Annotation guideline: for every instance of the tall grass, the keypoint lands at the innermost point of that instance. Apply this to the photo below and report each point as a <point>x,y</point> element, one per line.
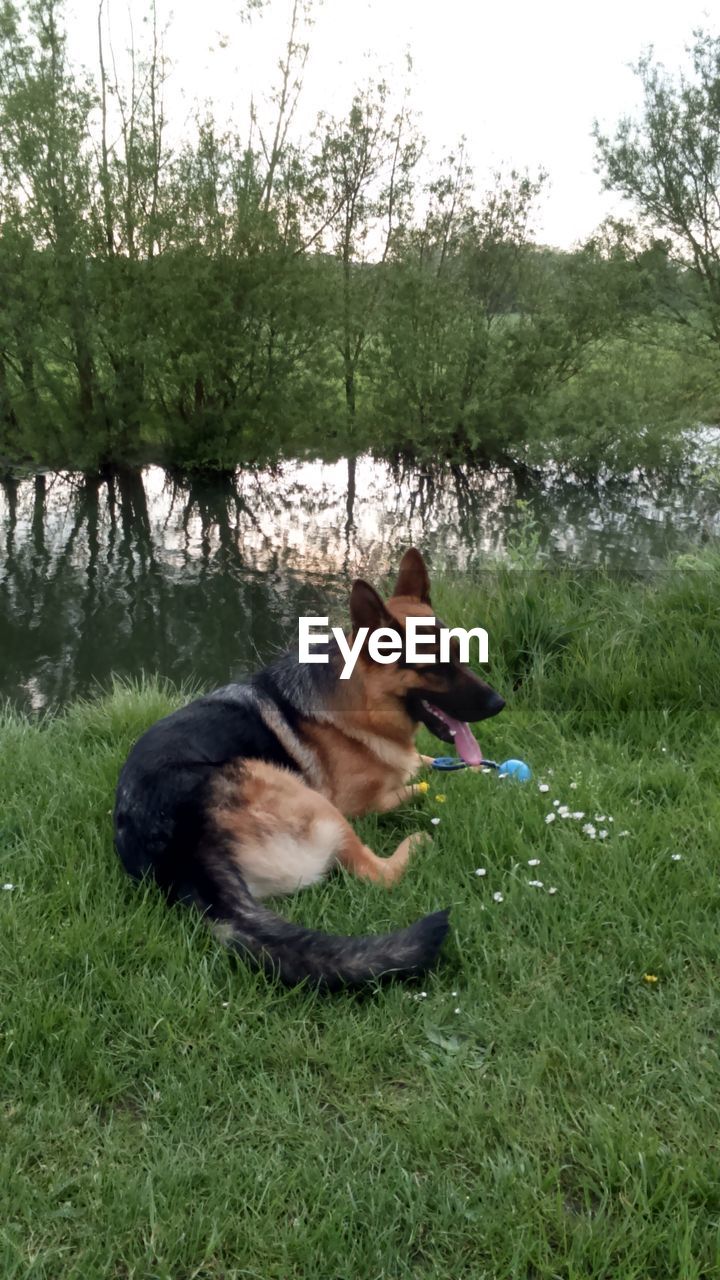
<point>545,1105</point>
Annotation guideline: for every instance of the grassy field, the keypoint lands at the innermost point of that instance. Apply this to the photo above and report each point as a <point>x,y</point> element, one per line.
<point>546,1104</point>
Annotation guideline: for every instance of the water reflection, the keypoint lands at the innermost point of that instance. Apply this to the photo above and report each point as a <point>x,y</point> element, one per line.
<point>204,578</point>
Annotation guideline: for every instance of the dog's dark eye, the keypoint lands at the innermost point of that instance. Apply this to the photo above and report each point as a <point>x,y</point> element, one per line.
<point>445,670</point>
<point>435,670</point>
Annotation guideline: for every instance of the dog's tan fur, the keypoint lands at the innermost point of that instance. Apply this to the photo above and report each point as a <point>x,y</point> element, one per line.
<point>285,836</point>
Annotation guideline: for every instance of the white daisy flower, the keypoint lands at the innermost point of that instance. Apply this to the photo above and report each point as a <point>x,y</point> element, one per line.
<point>543,786</point>
<point>588,829</point>
<point>623,833</point>
<point>578,814</point>
<point>603,833</point>
<point>676,857</point>
<point>573,786</point>
<point>533,862</point>
<point>8,887</point>
<point>535,884</point>
<point>600,817</point>
<point>435,821</point>
<point>497,897</point>
<point>481,871</point>
<point>552,889</point>
<point>457,1010</point>
<point>556,803</point>
<point>549,817</point>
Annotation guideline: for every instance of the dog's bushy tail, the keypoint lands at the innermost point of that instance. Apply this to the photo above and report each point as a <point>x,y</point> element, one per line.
<point>295,954</point>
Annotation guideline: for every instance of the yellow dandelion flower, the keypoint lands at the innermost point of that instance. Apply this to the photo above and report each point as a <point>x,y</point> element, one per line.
<point>441,799</point>
<point>423,787</point>
<point>649,977</point>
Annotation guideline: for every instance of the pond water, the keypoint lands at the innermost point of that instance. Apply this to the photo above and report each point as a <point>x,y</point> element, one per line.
<point>204,579</point>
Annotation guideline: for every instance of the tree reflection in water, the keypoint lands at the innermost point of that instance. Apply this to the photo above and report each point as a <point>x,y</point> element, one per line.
<point>201,578</point>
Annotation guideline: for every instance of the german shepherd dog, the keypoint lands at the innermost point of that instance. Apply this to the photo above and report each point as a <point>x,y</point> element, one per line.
<point>246,793</point>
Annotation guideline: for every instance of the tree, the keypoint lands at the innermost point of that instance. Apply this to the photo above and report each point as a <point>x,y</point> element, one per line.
<point>668,164</point>
<point>452,315</point>
<point>363,167</point>
<point>130,221</point>
<point>44,114</point>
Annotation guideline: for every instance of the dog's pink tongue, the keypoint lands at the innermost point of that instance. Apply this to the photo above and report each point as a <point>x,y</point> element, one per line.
<point>468,749</point>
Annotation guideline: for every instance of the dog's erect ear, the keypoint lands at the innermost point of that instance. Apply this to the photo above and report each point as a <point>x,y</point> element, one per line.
<point>367,608</point>
<point>413,578</point>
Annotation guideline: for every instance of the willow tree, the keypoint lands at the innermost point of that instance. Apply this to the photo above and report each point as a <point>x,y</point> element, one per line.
<point>364,187</point>
<point>455,298</point>
<point>667,162</point>
<point>131,218</point>
<point>46,200</point>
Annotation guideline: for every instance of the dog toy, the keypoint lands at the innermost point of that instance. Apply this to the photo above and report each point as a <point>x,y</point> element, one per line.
<point>517,769</point>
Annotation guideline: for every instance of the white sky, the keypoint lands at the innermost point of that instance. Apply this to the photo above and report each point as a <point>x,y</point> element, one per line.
<point>522,81</point>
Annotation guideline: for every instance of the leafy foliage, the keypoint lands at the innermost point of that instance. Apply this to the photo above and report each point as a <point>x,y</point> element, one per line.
<point>231,300</point>
<point>668,164</point>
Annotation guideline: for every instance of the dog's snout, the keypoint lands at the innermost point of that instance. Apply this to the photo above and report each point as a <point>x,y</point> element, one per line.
<point>494,704</point>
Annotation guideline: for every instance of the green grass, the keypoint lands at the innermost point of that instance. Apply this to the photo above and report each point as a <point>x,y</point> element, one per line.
<point>168,1113</point>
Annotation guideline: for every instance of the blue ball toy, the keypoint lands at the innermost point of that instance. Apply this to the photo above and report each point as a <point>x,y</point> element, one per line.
<point>517,769</point>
